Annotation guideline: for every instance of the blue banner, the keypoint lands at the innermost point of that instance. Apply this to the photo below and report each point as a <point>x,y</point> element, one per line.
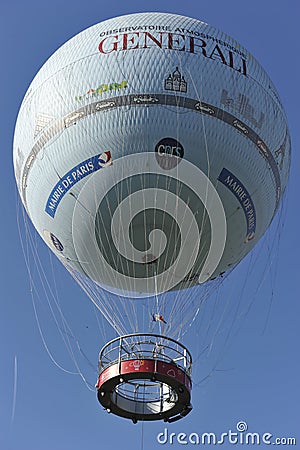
<point>72,177</point>
<point>238,189</point>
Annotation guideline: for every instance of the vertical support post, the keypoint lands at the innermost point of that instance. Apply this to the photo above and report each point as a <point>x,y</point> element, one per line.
<point>120,354</point>
<point>184,358</point>
<point>161,394</point>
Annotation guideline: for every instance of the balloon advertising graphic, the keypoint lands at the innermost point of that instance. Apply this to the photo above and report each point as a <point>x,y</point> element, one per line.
<point>151,154</point>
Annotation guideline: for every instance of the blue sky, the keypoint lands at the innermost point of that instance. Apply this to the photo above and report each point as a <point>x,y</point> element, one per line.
<point>257,374</point>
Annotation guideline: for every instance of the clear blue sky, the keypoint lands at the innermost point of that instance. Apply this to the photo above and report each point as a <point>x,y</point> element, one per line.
<point>257,376</point>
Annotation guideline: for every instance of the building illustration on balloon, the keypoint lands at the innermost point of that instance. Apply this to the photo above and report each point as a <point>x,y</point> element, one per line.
<point>147,193</point>
<point>175,82</point>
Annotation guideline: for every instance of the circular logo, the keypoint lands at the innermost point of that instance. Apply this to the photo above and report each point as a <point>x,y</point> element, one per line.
<point>104,159</point>
<point>242,426</point>
<point>168,152</point>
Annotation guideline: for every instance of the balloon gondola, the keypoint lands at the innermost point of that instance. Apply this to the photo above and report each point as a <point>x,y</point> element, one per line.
<point>145,377</point>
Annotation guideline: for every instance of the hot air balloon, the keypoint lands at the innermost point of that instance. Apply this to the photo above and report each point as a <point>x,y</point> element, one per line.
<point>151,153</point>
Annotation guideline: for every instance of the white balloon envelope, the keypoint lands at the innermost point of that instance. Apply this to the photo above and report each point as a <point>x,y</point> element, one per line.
<point>154,83</point>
